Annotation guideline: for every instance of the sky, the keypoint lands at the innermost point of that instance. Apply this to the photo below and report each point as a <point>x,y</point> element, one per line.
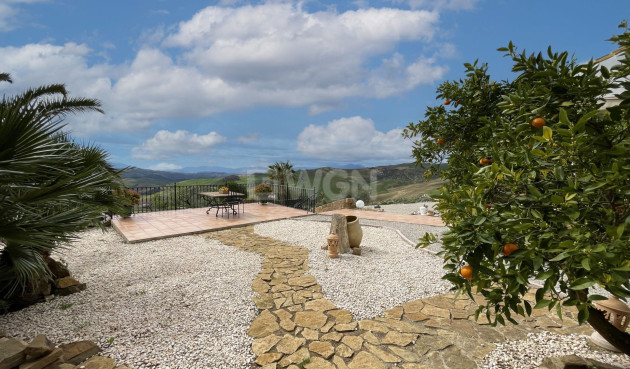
<point>244,84</point>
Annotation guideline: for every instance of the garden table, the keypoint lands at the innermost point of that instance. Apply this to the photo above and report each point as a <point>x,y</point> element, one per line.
<point>223,201</point>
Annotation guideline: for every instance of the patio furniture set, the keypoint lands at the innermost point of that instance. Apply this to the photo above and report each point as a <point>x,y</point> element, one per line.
<point>226,202</point>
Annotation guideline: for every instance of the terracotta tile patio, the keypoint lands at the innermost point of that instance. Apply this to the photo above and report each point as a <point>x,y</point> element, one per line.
<point>172,223</point>
<point>391,217</point>
<point>164,224</point>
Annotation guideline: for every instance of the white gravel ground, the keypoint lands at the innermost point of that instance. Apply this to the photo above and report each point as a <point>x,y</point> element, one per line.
<point>182,302</point>
<point>185,302</point>
<point>388,273</point>
<point>530,352</point>
<point>412,232</point>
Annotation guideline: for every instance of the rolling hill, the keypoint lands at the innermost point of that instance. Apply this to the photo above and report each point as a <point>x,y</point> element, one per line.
<point>383,184</point>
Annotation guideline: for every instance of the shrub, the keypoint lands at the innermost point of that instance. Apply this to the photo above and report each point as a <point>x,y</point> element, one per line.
<point>262,188</point>
<point>557,190</point>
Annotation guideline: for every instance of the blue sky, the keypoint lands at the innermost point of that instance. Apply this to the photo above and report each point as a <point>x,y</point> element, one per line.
<point>242,84</point>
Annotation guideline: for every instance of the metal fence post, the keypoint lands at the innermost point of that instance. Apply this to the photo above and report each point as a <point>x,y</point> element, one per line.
<point>175,194</point>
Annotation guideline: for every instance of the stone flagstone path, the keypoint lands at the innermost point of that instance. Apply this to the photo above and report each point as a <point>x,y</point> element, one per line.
<point>298,328</point>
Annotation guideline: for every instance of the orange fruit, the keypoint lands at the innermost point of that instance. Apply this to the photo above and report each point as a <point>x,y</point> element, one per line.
<point>485,161</point>
<point>466,272</point>
<point>538,122</point>
<point>441,141</point>
<point>509,248</point>
<point>447,102</point>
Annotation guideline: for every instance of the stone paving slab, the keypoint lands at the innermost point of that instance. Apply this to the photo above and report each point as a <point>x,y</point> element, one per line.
<point>298,328</point>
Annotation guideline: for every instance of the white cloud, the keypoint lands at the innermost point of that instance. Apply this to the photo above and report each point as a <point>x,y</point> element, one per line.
<point>9,12</point>
<point>249,138</point>
<point>353,139</point>
<point>300,58</point>
<point>165,167</point>
<point>166,144</point>
<point>229,59</point>
<point>7,16</point>
<point>395,75</point>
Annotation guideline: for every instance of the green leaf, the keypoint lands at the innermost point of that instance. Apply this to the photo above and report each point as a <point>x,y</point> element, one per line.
<point>579,126</point>
<point>586,264</point>
<point>620,229</point>
<point>595,186</point>
<point>537,152</point>
<point>563,117</point>
<point>542,304</point>
<point>559,311</point>
<point>582,283</point>
<point>582,315</point>
<point>616,232</point>
<point>486,238</point>
<point>597,298</point>
<point>544,275</point>
<point>480,220</point>
<point>547,133</point>
<point>534,191</point>
<point>528,308</point>
<point>561,256</point>
<point>555,199</point>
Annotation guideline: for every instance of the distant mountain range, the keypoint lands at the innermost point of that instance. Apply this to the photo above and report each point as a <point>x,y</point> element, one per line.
<point>149,177</point>
<point>242,170</point>
<point>384,183</point>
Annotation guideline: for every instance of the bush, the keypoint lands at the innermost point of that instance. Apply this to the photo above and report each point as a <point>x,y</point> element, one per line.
<point>541,164</point>
<point>262,188</point>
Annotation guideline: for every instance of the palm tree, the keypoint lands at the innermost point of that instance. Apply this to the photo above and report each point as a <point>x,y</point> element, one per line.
<point>281,171</point>
<point>50,186</point>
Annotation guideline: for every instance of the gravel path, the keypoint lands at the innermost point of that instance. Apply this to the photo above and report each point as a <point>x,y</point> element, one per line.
<point>179,302</point>
<point>391,272</point>
<point>388,273</point>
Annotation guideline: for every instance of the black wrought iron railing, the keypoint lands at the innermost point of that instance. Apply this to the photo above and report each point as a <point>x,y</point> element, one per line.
<point>176,197</point>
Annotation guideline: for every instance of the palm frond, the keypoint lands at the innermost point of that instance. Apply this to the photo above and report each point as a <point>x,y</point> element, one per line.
<point>50,186</point>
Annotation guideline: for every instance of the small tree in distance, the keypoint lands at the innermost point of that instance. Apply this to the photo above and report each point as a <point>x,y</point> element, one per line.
<point>538,184</point>
<point>281,171</point>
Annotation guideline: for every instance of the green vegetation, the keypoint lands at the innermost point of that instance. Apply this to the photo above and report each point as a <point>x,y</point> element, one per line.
<point>65,306</point>
<point>402,183</point>
<point>378,185</point>
<point>538,184</point>
<point>283,173</point>
<point>50,186</point>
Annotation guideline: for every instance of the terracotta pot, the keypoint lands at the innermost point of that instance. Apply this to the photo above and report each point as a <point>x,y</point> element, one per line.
<point>333,245</point>
<point>355,233</point>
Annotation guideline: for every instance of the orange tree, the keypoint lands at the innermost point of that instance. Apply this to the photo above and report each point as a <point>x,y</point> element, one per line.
<point>538,184</point>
